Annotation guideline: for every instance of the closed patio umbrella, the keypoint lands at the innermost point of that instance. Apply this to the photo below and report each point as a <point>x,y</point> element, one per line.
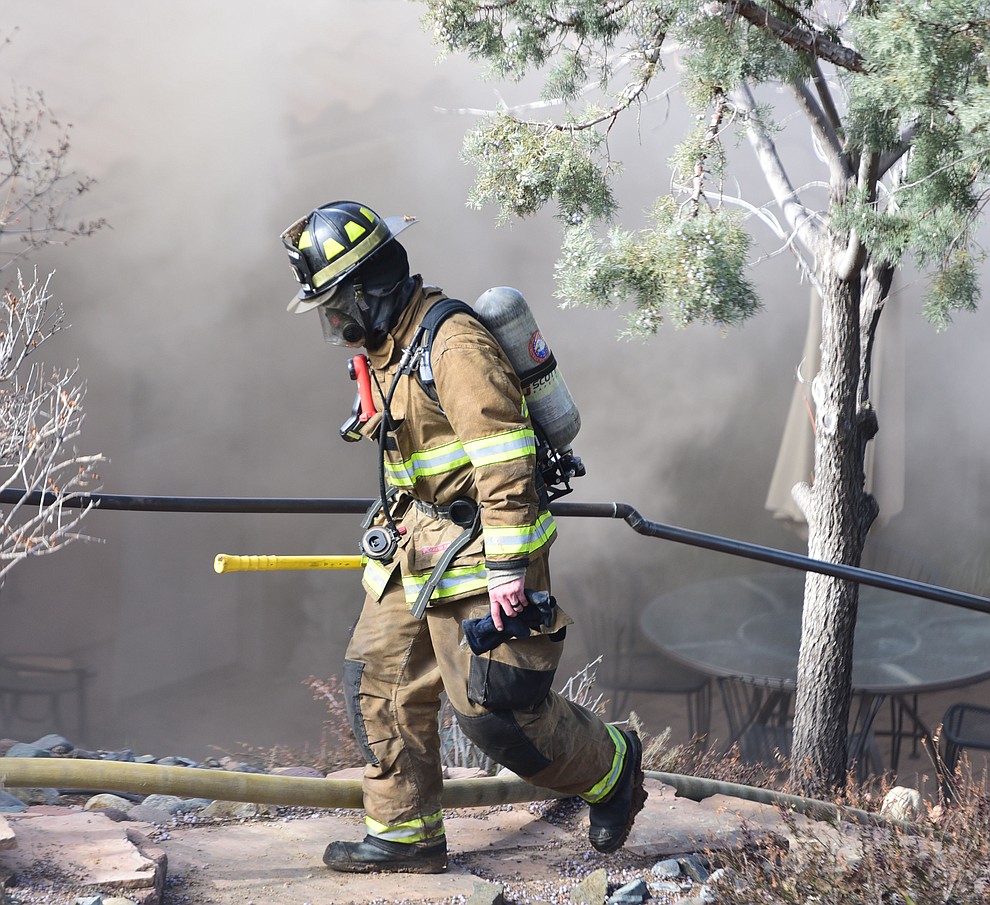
<point>885,453</point>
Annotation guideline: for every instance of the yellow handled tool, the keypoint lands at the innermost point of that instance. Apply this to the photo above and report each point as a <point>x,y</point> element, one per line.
<point>230,562</point>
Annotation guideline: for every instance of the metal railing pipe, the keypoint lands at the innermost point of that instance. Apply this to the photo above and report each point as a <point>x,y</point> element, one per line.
<point>614,510</point>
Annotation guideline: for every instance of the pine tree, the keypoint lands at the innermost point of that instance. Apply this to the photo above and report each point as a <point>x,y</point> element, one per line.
<point>897,99</point>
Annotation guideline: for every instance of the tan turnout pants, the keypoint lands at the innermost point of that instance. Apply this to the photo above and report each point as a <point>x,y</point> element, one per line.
<point>395,669</point>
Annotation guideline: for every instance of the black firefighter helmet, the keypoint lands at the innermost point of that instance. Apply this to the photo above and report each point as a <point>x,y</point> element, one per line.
<point>330,243</point>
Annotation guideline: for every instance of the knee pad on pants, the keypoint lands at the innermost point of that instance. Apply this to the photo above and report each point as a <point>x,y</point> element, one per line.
<point>353,671</point>
<point>499,735</point>
<point>506,686</point>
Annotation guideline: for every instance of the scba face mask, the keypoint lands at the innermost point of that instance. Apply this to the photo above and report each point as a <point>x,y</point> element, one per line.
<point>340,317</point>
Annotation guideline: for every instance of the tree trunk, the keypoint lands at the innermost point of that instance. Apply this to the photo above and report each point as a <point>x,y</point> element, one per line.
<point>839,512</point>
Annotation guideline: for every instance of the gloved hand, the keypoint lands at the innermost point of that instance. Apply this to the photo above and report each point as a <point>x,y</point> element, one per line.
<point>482,636</point>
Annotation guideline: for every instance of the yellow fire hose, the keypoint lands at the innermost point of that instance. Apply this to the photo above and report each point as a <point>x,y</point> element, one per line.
<point>296,791</point>
<point>226,785</point>
<point>231,562</point>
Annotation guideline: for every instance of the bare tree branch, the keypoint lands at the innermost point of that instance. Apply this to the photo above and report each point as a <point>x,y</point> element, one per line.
<point>806,39</point>
<point>35,181</point>
<point>827,101</point>
<point>891,158</point>
<point>41,416</point>
<point>838,162</point>
<point>801,220</point>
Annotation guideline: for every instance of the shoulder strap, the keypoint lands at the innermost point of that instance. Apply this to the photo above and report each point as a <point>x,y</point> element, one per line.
<point>428,330</point>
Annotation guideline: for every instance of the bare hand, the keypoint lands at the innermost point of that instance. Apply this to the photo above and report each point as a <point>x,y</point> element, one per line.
<point>509,598</point>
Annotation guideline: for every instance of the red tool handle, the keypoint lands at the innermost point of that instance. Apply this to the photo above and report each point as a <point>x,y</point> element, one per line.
<point>358,367</point>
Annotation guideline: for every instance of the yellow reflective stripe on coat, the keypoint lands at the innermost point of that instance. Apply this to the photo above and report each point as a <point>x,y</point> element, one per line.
<point>516,444</point>
<point>607,783</point>
<point>519,539</point>
<point>416,830</point>
<point>375,577</point>
<point>459,580</point>
<point>448,457</point>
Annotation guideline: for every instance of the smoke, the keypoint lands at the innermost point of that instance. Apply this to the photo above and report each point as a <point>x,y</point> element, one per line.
<point>209,129</point>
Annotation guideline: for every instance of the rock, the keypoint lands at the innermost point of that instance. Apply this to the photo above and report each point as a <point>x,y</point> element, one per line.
<point>238,766</point>
<point>720,880</point>
<point>238,809</point>
<point>486,893</point>
<point>7,840</point>
<point>692,867</point>
<point>116,815</point>
<point>36,796</point>
<point>88,900</point>
<point>107,800</point>
<point>118,900</point>
<point>147,814</point>
<point>20,749</point>
<point>634,893</point>
<point>173,804</point>
<point>669,869</point>
<point>10,804</point>
<point>901,803</point>
<point>593,890</point>
<point>172,761</point>
<point>55,744</point>
<point>125,756</point>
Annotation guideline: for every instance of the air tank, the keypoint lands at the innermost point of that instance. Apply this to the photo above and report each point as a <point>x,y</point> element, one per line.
<point>507,316</point>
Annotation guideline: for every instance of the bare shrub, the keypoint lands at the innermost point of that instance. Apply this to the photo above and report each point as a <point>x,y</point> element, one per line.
<point>41,416</point>
<point>36,181</point>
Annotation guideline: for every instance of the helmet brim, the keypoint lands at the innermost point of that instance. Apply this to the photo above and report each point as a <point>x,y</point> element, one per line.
<point>304,301</point>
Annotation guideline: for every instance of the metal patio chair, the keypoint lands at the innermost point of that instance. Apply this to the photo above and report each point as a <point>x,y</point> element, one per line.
<point>964,726</point>
<point>35,687</point>
<point>629,663</point>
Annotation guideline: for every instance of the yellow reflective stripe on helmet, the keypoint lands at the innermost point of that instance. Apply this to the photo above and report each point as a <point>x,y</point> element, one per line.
<point>305,240</point>
<point>354,230</point>
<point>516,444</point>
<point>459,580</point>
<point>332,248</point>
<point>358,253</point>
<point>440,460</point>
<point>416,830</point>
<point>519,539</point>
<point>607,783</point>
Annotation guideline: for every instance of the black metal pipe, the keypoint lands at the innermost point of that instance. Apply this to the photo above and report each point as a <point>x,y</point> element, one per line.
<point>189,504</point>
<point>803,563</point>
<point>581,510</point>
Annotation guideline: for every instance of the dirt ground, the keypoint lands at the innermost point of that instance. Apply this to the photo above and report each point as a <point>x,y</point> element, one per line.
<point>278,863</point>
<point>534,853</point>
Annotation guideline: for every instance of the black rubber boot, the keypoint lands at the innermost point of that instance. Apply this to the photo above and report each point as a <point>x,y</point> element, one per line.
<point>612,819</point>
<point>374,854</point>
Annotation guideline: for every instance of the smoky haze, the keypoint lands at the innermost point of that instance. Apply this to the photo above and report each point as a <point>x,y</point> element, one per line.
<point>211,127</point>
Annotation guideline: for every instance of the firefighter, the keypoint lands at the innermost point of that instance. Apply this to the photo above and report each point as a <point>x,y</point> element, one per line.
<point>460,523</point>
